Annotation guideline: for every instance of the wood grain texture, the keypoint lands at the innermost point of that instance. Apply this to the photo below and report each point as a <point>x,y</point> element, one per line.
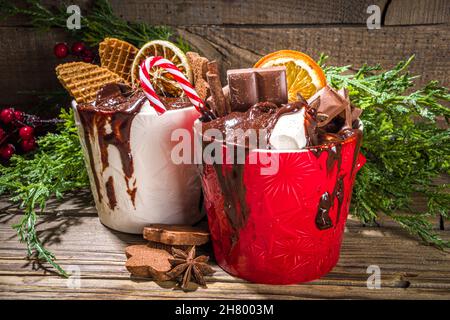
<point>409,270</point>
<point>407,12</point>
<point>27,64</point>
<point>264,12</point>
<point>258,12</point>
<point>20,20</point>
<point>242,47</point>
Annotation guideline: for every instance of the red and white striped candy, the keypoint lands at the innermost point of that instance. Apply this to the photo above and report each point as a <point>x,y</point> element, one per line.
<point>144,77</point>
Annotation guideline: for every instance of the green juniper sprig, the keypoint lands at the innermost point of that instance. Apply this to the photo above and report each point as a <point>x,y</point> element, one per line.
<point>56,168</point>
<point>99,22</point>
<point>405,148</point>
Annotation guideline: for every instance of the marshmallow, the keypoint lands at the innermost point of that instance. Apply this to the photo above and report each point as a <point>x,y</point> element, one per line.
<point>289,132</point>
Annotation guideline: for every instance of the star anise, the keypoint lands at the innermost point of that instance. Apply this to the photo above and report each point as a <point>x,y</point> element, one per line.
<point>186,266</point>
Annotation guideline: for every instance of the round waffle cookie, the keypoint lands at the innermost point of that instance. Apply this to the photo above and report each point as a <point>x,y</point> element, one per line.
<point>83,80</point>
<point>117,56</point>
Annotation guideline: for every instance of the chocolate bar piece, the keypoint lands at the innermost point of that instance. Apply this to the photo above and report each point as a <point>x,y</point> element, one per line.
<point>330,104</point>
<point>250,86</point>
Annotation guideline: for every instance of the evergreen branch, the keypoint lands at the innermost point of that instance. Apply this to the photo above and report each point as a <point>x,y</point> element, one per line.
<point>56,168</point>
<point>405,148</point>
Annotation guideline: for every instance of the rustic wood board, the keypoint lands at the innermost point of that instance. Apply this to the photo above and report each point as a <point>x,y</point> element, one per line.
<point>259,12</point>
<point>240,47</point>
<point>407,12</point>
<point>71,229</point>
<point>265,12</point>
<point>27,64</point>
<point>195,12</point>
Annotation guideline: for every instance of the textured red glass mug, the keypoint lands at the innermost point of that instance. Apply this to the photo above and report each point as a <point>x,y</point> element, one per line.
<point>286,227</point>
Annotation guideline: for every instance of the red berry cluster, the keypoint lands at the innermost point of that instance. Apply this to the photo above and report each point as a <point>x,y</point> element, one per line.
<point>16,133</point>
<point>78,49</point>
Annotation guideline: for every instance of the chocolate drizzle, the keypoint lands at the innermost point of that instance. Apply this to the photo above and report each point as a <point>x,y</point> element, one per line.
<point>116,106</point>
<point>334,156</point>
<point>111,193</point>
<point>323,220</point>
<point>233,188</point>
<point>339,194</point>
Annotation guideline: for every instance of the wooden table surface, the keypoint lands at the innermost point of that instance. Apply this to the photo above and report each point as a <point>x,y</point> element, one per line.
<point>82,244</point>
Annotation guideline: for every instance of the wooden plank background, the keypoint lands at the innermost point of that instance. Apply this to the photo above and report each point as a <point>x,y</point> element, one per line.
<point>238,32</point>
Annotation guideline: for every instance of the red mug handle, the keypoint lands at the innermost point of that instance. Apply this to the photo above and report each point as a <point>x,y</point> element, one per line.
<point>360,161</point>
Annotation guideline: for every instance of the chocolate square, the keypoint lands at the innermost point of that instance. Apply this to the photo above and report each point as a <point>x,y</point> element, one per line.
<point>250,86</point>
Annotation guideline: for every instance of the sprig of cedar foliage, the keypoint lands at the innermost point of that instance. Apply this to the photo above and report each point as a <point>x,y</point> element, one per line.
<point>100,22</point>
<point>405,148</point>
<point>56,168</point>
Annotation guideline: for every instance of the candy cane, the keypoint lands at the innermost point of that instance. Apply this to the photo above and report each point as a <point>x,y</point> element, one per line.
<point>144,77</point>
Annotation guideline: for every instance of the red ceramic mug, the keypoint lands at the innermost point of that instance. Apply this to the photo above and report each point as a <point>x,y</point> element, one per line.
<point>287,226</point>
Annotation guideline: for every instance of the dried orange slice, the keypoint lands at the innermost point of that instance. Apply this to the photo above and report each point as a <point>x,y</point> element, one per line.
<point>303,74</point>
<point>161,80</point>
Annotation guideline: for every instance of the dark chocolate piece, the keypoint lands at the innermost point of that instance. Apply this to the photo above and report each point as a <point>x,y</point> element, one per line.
<point>250,86</point>
<point>331,105</point>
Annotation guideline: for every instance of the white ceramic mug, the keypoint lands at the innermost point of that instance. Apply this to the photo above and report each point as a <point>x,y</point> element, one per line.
<point>166,192</point>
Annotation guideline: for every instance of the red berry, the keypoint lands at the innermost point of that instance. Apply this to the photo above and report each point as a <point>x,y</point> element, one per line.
<point>7,151</point>
<point>61,50</point>
<point>26,132</point>
<point>2,134</point>
<point>18,115</point>
<point>78,48</point>
<point>7,115</point>
<point>28,145</point>
<point>87,55</point>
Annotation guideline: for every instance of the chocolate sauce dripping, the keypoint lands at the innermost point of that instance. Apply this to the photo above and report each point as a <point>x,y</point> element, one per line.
<point>234,193</point>
<point>339,194</point>
<point>311,130</point>
<point>87,119</point>
<point>110,192</point>
<point>120,120</point>
<point>359,136</point>
<point>323,220</point>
